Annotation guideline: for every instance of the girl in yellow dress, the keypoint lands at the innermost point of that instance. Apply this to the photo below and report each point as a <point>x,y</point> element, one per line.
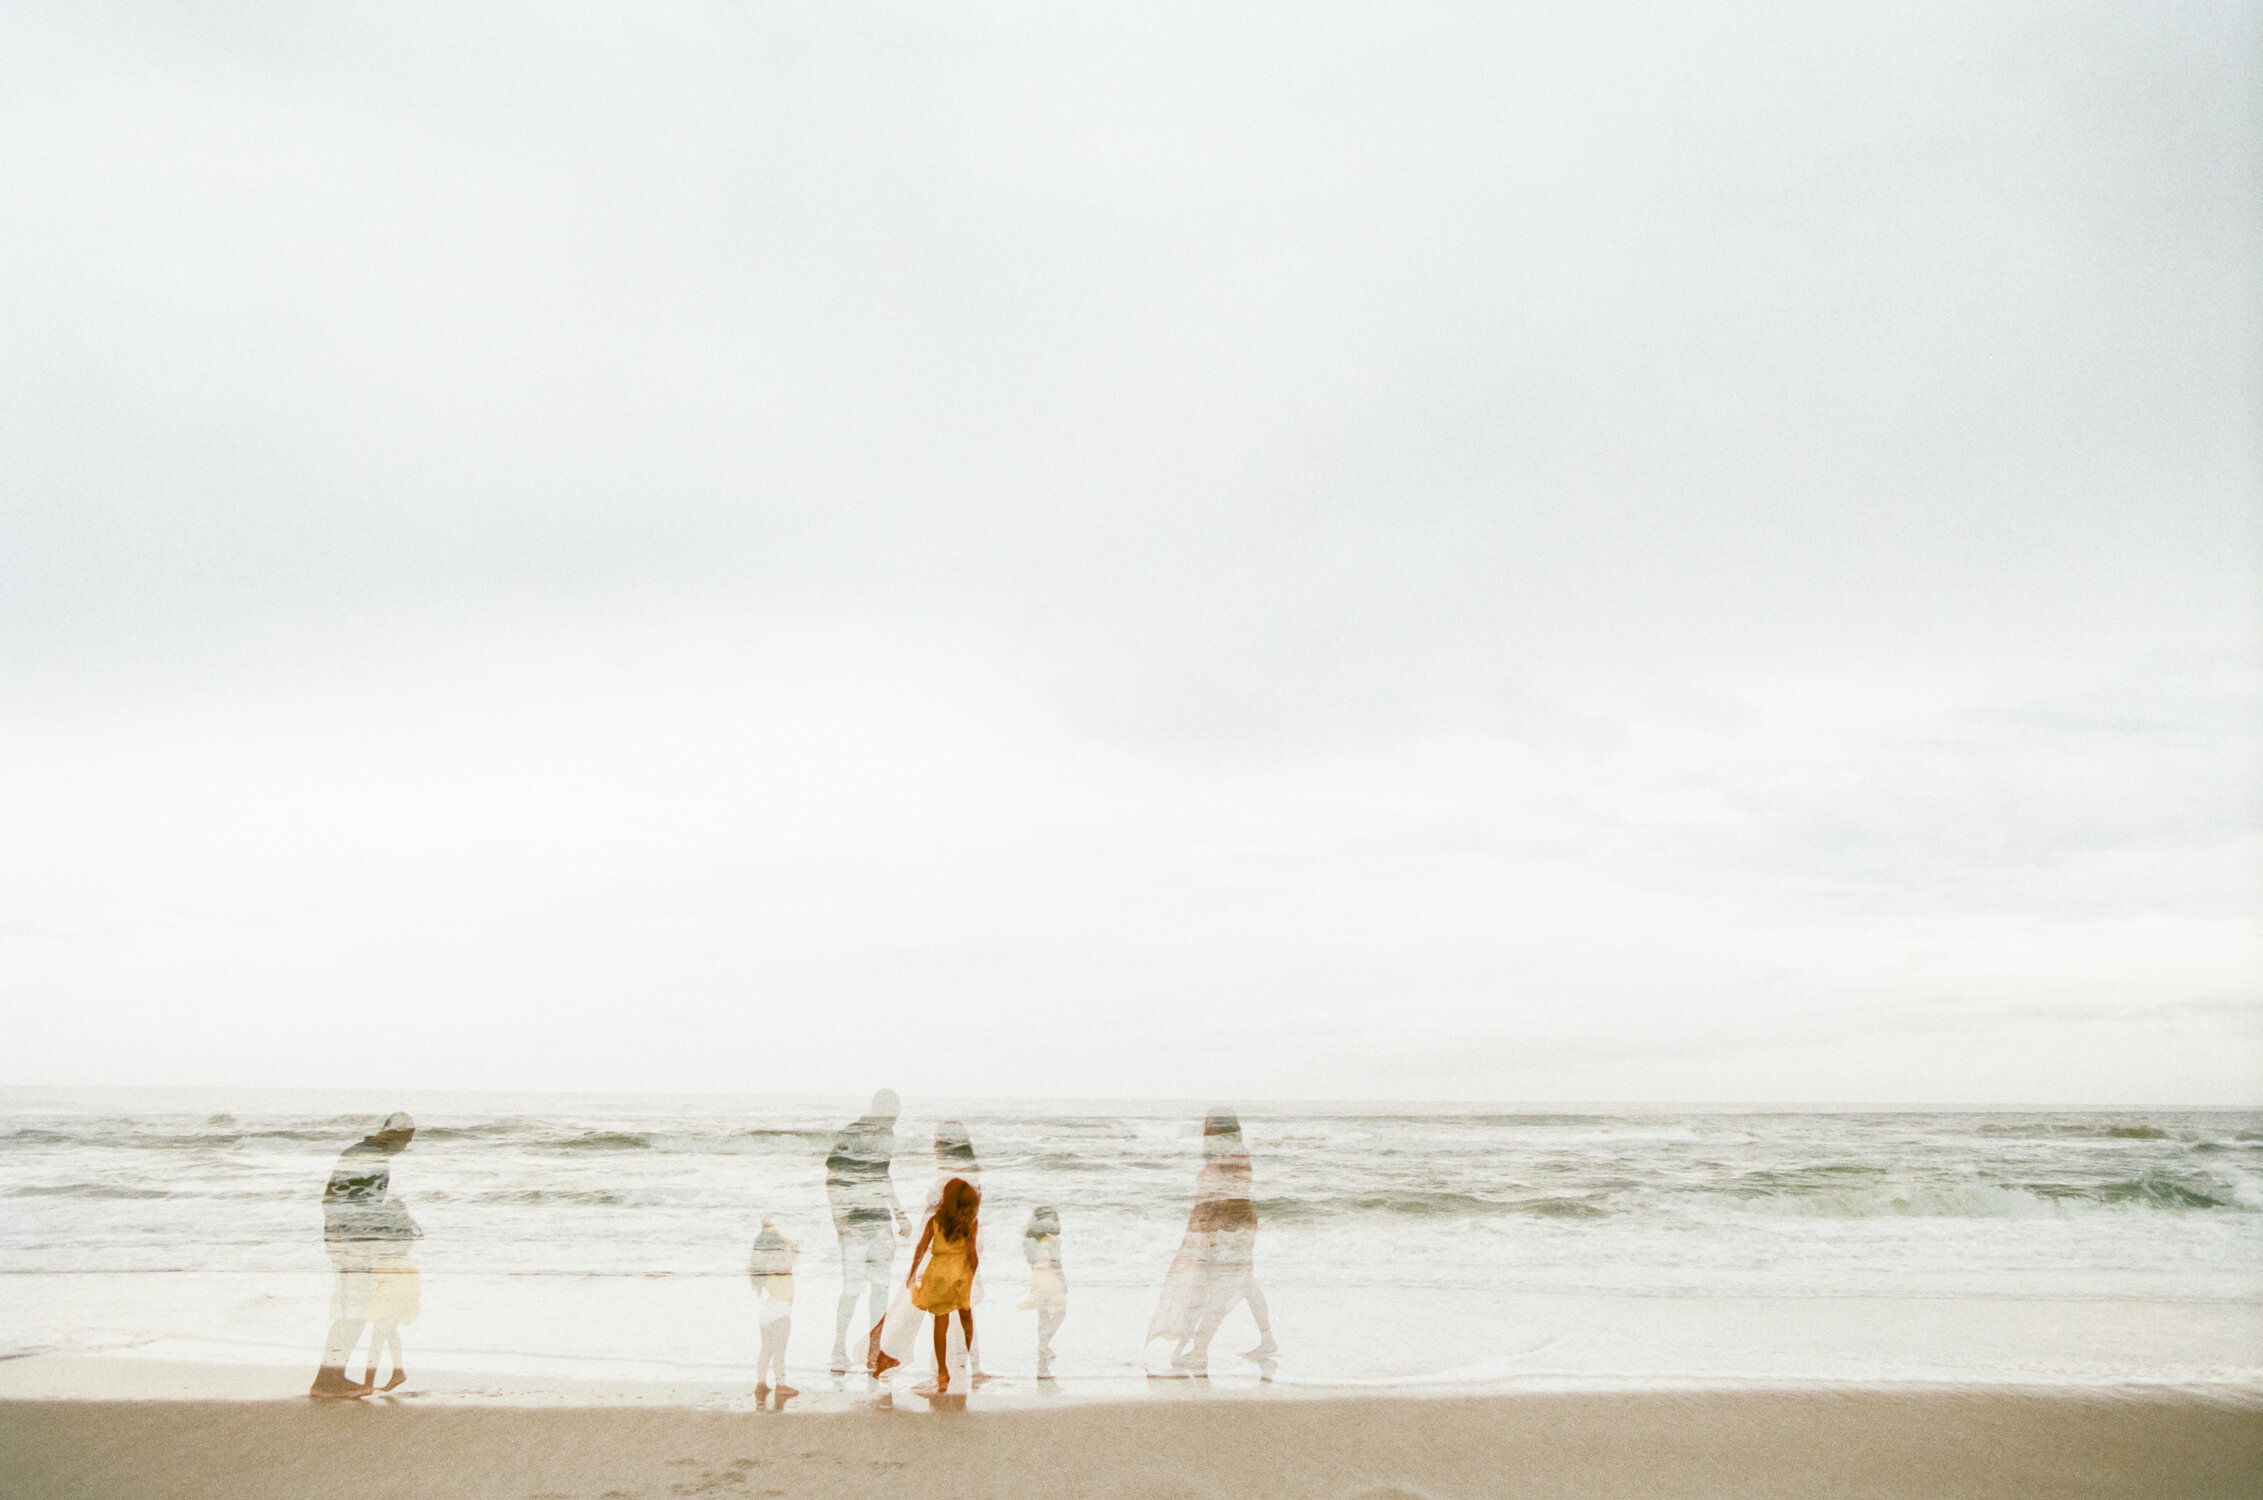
<point>948,1243</point>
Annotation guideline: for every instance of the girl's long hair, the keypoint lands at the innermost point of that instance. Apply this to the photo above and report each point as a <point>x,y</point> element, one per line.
<point>955,1211</point>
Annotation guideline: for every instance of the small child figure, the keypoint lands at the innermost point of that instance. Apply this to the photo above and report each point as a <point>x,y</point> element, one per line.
<point>395,1297</point>
<point>1048,1287</point>
<point>771,1269</point>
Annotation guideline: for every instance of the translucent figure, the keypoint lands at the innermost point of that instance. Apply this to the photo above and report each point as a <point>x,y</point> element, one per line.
<point>866,1216</point>
<point>1048,1283</point>
<point>367,1232</point>
<point>770,1266</point>
<point>1215,1268</point>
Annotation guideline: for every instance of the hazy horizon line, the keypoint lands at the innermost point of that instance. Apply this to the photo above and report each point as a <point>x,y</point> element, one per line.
<point>350,1101</point>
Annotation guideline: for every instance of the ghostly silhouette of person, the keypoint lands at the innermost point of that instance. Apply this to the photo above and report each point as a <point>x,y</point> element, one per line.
<point>866,1216</point>
<point>1215,1269</point>
<point>366,1232</point>
<point>770,1266</point>
<point>1048,1283</point>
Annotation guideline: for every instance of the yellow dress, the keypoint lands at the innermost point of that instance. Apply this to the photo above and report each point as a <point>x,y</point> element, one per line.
<point>945,1286</point>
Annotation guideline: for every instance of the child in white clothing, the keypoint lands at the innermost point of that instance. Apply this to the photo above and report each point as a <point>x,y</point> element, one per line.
<point>1048,1287</point>
<point>771,1269</point>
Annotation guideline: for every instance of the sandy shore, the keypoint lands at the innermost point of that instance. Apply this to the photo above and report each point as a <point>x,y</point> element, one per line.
<point>1926,1444</point>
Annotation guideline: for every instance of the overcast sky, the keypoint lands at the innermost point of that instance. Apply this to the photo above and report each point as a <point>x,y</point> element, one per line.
<point>1410,550</point>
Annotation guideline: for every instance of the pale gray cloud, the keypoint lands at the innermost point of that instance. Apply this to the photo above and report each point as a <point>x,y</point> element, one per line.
<point>1166,522</point>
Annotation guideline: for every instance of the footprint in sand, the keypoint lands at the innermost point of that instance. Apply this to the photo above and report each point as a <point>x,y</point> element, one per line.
<point>619,1495</point>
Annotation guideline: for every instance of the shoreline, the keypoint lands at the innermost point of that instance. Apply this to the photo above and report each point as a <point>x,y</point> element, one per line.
<point>1814,1442</point>
<point>41,1378</point>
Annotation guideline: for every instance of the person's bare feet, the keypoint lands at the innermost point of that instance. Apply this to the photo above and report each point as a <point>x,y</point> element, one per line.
<point>760,1390</point>
<point>398,1377</point>
<point>882,1364</point>
<point>332,1385</point>
<point>786,1392</point>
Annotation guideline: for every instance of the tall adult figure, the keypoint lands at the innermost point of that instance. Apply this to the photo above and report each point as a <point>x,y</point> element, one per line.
<point>363,1225</point>
<point>1215,1269</point>
<point>866,1217</point>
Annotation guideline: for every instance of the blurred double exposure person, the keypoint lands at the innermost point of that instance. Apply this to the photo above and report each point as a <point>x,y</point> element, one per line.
<point>1048,1284</point>
<point>367,1231</point>
<point>771,1268</point>
<point>866,1216</point>
<point>1215,1270</point>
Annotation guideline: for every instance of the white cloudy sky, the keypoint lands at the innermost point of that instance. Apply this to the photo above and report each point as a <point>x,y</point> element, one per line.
<point>1400,550</point>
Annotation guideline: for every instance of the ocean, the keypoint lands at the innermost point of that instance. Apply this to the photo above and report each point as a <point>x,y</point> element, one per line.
<point>1398,1245</point>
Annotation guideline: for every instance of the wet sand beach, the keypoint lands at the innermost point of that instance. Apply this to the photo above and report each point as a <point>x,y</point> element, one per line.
<point>1922,1443</point>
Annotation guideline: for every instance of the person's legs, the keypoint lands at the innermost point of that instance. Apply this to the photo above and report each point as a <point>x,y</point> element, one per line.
<point>337,1348</point>
<point>1255,1296</point>
<point>393,1353</point>
<point>942,1351</point>
<point>785,1327</point>
<point>852,1287</point>
<point>868,1251</point>
<point>771,1354</point>
<point>1048,1323</point>
<point>369,1361</point>
<point>349,1308</point>
<point>1223,1300</point>
<point>377,1332</point>
<point>1197,1347</point>
<point>1229,1278</point>
<point>879,1269</point>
